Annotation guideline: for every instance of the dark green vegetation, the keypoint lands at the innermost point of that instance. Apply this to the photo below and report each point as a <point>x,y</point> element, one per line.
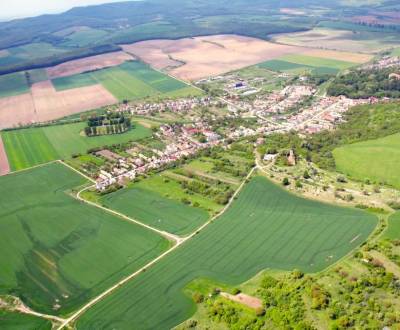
<point>33,146</point>
<point>265,227</point>
<point>362,123</point>
<point>355,294</point>
<point>393,231</point>
<point>109,123</point>
<point>374,160</point>
<point>128,81</point>
<point>366,83</point>
<point>155,210</point>
<point>57,252</point>
<point>17,321</point>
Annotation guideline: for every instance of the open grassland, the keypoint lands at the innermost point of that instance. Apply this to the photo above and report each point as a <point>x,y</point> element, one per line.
<point>393,231</point>
<point>155,210</point>
<point>342,40</point>
<point>84,37</point>
<point>18,321</point>
<point>32,146</point>
<point>377,160</point>
<point>265,227</point>
<point>13,84</point>
<point>57,252</point>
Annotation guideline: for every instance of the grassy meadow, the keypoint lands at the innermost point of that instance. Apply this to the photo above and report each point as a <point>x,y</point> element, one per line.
<point>18,321</point>
<point>57,252</point>
<point>129,81</point>
<point>33,146</point>
<point>266,227</point>
<point>155,210</point>
<point>376,160</point>
<point>393,231</point>
<point>13,84</point>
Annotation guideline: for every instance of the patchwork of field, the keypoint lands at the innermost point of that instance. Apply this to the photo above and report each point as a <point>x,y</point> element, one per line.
<point>33,146</point>
<point>265,227</point>
<point>393,231</point>
<point>57,252</point>
<point>18,321</point>
<point>155,210</point>
<point>304,63</point>
<point>44,103</point>
<point>377,160</point>
<point>207,56</point>
<point>341,40</point>
<point>37,99</point>
<point>91,63</point>
<point>4,165</point>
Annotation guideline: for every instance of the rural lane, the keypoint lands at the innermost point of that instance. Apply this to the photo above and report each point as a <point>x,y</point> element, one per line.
<point>151,263</point>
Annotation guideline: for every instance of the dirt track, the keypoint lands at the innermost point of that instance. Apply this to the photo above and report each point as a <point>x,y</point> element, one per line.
<point>4,165</point>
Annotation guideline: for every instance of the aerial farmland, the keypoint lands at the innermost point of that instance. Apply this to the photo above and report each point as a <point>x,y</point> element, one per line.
<point>200,165</point>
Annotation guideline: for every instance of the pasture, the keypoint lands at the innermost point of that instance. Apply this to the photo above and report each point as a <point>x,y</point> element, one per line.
<point>393,231</point>
<point>266,227</point>
<point>33,146</point>
<point>377,160</point>
<point>155,210</point>
<point>297,68</point>
<point>18,321</point>
<point>58,252</point>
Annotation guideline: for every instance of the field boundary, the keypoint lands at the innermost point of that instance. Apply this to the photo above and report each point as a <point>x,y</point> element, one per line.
<point>154,261</point>
<point>4,163</point>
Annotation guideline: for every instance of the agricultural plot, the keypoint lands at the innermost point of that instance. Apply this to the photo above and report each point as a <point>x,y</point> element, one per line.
<point>84,37</point>
<point>33,146</point>
<point>18,321</point>
<point>393,231</point>
<point>305,63</point>
<point>155,210</point>
<point>128,81</point>
<point>13,84</point>
<point>265,227</point>
<point>376,160</point>
<point>57,252</point>
<point>343,40</point>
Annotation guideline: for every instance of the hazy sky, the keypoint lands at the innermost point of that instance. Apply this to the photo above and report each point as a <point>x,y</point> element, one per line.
<point>24,8</point>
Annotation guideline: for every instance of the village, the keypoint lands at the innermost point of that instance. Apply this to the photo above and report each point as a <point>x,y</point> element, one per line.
<point>298,106</point>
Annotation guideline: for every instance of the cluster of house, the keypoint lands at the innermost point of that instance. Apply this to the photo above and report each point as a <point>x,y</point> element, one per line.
<point>179,105</point>
<point>383,63</point>
<point>324,113</point>
<point>276,102</point>
<point>182,145</point>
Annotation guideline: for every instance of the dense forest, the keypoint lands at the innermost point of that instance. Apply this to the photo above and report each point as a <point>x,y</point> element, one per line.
<point>366,83</point>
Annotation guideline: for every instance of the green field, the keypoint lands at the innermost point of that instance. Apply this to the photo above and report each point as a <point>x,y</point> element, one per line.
<point>290,67</point>
<point>32,146</point>
<point>155,210</point>
<point>317,62</point>
<point>129,81</point>
<point>13,84</point>
<point>58,252</point>
<point>377,160</point>
<point>17,321</point>
<point>393,231</point>
<point>266,227</point>
<point>84,37</point>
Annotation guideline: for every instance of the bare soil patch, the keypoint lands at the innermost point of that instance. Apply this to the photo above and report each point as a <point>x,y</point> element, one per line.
<point>88,64</point>
<point>4,165</point>
<point>292,11</point>
<point>50,104</point>
<point>207,56</point>
<point>244,299</point>
<point>44,103</point>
